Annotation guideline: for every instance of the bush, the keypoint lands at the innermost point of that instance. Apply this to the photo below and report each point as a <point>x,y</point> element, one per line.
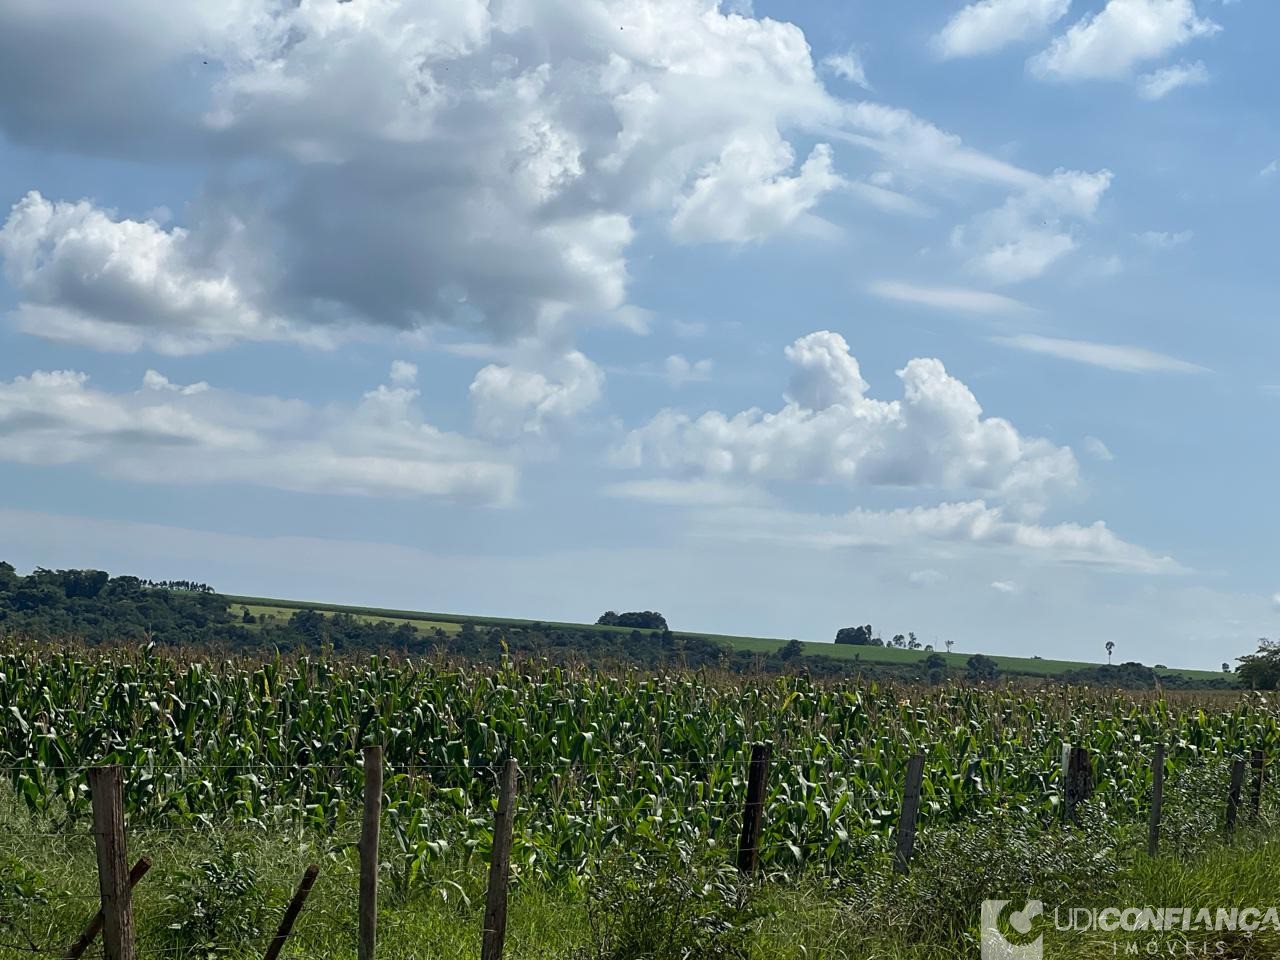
<point>214,908</point>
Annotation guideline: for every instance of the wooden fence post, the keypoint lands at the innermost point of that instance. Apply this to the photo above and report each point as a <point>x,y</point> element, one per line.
<point>291,913</point>
<point>1077,774</point>
<point>106,787</point>
<point>94,928</point>
<point>753,810</point>
<point>1259,771</point>
<point>1233,796</point>
<point>907,821</point>
<point>369,835</point>
<point>495,908</point>
<point>1157,800</point>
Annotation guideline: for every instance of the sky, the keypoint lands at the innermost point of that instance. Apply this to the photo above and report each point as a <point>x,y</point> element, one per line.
<point>948,318</point>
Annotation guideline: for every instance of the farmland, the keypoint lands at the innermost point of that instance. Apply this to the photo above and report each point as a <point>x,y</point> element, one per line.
<point>628,778</point>
<point>450,623</point>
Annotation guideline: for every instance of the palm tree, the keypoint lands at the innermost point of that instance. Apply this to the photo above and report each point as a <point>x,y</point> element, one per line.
<point>1111,645</point>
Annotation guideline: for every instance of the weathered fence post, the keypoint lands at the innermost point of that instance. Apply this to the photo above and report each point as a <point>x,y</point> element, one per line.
<point>910,811</point>
<point>1077,779</point>
<point>1157,800</point>
<point>753,810</point>
<point>106,786</point>
<point>94,928</point>
<point>369,833</point>
<point>1259,771</point>
<point>291,913</point>
<point>495,908</point>
<point>1233,796</point>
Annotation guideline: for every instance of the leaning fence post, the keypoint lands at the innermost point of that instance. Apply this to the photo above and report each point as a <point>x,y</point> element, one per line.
<point>910,810</point>
<point>495,908</point>
<point>95,925</point>
<point>1233,796</point>
<point>1077,773</point>
<point>1259,767</point>
<point>106,786</point>
<point>753,810</point>
<point>291,913</point>
<point>1157,800</point>
<point>369,831</point>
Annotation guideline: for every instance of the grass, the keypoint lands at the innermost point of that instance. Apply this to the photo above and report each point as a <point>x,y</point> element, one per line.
<point>219,892</point>
<point>451,622</point>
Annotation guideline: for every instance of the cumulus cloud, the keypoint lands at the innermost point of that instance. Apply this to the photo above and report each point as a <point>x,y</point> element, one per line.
<point>117,284</point>
<point>679,370</point>
<point>1004,586</point>
<point>926,578</point>
<point>1107,45</point>
<point>831,431</point>
<point>1111,356</point>
<point>510,400</point>
<point>945,527</point>
<point>1030,231</point>
<point>196,434</point>
<point>990,25</point>
<point>1160,83</point>
<point>746,195</point>
<point>960,299</point>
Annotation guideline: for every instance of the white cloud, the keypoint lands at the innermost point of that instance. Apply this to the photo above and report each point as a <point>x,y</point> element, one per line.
<point>403,373</point>
<point>1031,231</point>
<point>1098,450</point>
<point>746,196</point>
<point>120,284</point>
<point>1270,170</point>
<point>679,370</point>
<point>989,25</point>
<point>579,119</point>
<point>168,433</point>
<point>1004,586</point>
<point>1111,356</point>
<point>943,528</point>
<point>830,431</point>
<point>688,493</point>
<point>1107,45</point>
<point>1275,601</point>
<point>926,578</point>
<point>962,299</point>
<point>848,66</point>
<point>1163,240</point>
<point>1160,83</point>
<point>515,400</point>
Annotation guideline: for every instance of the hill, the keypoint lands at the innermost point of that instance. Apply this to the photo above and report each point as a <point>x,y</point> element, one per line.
<point>765,646</point>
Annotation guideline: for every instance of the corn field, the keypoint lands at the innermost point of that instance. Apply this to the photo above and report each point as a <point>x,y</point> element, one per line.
<point>605,760</point>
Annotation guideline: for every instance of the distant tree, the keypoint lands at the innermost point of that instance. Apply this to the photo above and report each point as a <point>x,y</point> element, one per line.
<point>935,661</point>
<point>948,644</point>
<point>912,642</point>
<point>898,641</point>
<point>1226,667</point>
<point>981,667</point>
<point>1111,645</point>
<point>636,620</point>
<point>1261,670</point>
<point>858,636</point>
<point>607,619</point>
<point>928,648</point>
<point>793,650</point>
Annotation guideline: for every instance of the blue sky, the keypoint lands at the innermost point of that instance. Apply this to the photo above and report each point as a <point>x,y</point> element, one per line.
<point>948,318</point>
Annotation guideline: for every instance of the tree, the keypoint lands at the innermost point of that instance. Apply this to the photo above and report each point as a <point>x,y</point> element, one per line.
<point>1111,645</point>
<point>898,641</point>
<point>636,619</point>
<point>912,642</point>
<point>858,636</point>
<point>1261,670</point>
<point>793,650</point>
<point>1226,667</point>
<point>981,667</point>
<point>935,661</point>
<point>948,644</point>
